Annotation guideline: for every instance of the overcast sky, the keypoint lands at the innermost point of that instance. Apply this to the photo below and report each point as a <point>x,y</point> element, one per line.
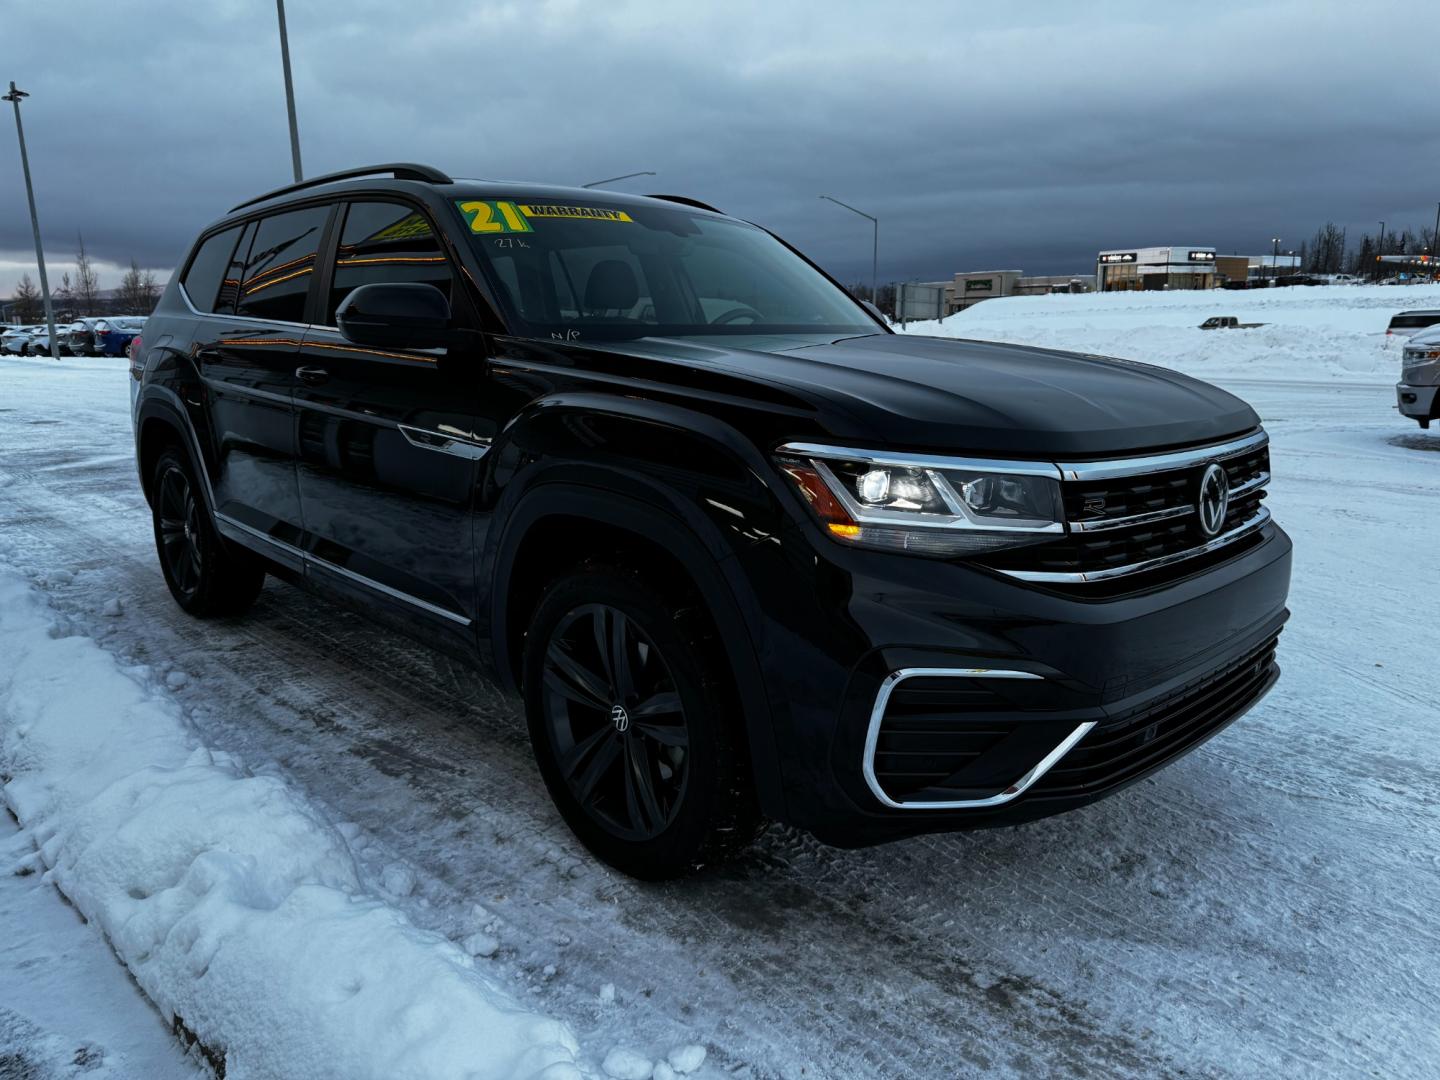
<point>983,136</point>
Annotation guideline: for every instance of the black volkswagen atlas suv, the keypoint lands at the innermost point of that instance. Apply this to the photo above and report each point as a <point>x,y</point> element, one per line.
<point>746,554</point>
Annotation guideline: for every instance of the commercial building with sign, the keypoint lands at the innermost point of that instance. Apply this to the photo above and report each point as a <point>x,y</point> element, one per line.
<point>1178,266</point>
<point>970,288</point>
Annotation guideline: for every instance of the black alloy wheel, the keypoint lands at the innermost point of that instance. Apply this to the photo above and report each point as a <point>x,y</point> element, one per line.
<point>634,719</point>
<point>179,528</point>
<point>616,721</point>
<point>204,574</point>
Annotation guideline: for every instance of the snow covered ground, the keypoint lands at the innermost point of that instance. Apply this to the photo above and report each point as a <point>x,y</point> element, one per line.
<point>1263,907</point>
<point>1331,332</point>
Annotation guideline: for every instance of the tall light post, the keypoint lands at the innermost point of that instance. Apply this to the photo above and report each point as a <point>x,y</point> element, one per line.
<point>14,97</point>
<point>1380,252</point>
<point>875,251</point>
<point>289,93</point>
<point>613,179</point>
<point>1275,257</point>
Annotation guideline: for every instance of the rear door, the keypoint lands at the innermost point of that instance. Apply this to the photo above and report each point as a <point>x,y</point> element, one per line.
<point>248,351</point>
<point>390,440</point>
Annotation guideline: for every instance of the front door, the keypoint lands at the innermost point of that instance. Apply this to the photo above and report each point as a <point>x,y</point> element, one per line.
<point>390,441</point>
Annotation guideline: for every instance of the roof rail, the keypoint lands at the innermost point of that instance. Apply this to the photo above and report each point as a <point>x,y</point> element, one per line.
<point>401,170</point>
<point>687,201</point>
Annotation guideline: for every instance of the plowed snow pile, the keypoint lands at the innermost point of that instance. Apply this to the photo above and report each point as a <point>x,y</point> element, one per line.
<point>236,906</point>
<point>1332,332</point>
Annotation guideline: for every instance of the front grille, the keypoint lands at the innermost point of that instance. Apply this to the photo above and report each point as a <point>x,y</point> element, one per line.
<point>1145,519</point>
<point>1122,748</point>
<point>930,731</point>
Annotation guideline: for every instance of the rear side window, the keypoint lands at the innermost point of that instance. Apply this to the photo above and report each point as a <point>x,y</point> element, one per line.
<point>277,274</point>
<point>1412,322</point>
<point>389,242</point>
<point>207,268</point>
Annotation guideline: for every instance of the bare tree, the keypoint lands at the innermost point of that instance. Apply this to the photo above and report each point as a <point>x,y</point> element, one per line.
<point>63,295</point>
<point>131,293</point>
<point>27,300</point>
<point>149,292</point>
<point>87,282</point>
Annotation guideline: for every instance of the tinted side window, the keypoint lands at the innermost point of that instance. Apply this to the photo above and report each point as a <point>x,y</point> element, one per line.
<point>281,265</point>
<point>202,279</point>
<point>230,283</point>
<point>385,241</point>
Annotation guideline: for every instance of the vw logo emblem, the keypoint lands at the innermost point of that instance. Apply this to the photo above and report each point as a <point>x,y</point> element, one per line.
<point>1214,499</point>
<point>620,718</point>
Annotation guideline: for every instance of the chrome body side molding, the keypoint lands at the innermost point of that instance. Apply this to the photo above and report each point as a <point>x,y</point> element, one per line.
<point>309,560</point>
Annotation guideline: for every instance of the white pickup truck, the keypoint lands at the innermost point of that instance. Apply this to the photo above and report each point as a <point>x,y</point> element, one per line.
<point>1227,322</point>
<point>1418,392</point>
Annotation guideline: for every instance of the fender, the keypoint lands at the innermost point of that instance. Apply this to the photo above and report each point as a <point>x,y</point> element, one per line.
<point>703,516</point>
<point>162,403</point>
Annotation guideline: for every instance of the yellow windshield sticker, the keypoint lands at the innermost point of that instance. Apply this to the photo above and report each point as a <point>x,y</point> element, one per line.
<point>494,216</point>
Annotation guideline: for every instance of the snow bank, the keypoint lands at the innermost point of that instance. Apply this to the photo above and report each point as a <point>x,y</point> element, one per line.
<point>1333,332</point>
<point>236,906</point>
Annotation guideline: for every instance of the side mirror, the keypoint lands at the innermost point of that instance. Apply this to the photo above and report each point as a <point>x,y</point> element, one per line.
<point>868,306</point>
<point>395,316</point>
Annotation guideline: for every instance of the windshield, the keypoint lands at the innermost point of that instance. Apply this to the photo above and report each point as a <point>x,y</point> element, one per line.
<point>605,273</point>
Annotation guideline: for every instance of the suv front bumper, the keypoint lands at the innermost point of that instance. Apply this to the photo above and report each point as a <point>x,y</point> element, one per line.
<point>1417,402</point>
<point>1058,700</point>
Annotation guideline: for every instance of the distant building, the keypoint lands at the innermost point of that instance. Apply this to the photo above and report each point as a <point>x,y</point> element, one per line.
<point>970,288</point>
<point>1234,268</point>
<point>1177,266</point>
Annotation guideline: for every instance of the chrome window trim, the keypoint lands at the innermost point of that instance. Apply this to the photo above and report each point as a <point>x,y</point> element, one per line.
<point>180,286</point>
<point>920,461</point>
<point>1245,528</point>
<point>309,560</point>
<point>1014,791</point>
<point>1157,463</point>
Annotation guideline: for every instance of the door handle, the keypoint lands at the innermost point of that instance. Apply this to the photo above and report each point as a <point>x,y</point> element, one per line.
<point>312,376</point>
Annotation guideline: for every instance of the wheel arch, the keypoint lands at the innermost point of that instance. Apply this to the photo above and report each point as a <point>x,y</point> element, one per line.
<point>539,543</point>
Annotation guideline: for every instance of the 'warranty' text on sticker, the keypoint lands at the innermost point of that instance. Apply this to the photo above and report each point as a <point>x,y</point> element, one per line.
<point>587,213</point>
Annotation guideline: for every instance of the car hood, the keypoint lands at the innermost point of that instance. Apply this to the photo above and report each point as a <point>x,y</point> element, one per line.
<point>904,391</point>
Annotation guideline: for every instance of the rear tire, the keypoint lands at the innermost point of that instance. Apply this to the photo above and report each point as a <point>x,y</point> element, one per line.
<point>633,720</point>
<point>205,575</point>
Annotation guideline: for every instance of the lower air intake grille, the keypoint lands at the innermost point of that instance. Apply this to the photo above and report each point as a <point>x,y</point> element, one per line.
<point>1121,749</point>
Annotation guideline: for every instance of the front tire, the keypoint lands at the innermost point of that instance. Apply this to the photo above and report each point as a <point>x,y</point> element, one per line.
<point>205,576</point>
<point>632,718</point>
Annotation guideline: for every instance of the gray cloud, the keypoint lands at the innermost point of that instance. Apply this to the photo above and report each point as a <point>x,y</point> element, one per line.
<point>1025,136</point>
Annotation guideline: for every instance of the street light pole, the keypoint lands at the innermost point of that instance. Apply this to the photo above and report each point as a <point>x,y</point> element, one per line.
<point>1275,258</point>
<point>289,93</point>
<point>613,179</point>
<point>1380,252</point>
<point>14,97</point>
<point>875,250</point>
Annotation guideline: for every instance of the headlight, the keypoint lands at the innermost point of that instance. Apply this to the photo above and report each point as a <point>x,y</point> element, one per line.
<point>929,506</point>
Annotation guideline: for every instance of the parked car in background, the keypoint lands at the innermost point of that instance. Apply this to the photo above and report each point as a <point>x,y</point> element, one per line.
<point>1418,391</point>
<point>77,338</point>
<point>39,342</point>
<point>1409,323</point>
<point>112,336</point>
<point>15,339</point>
